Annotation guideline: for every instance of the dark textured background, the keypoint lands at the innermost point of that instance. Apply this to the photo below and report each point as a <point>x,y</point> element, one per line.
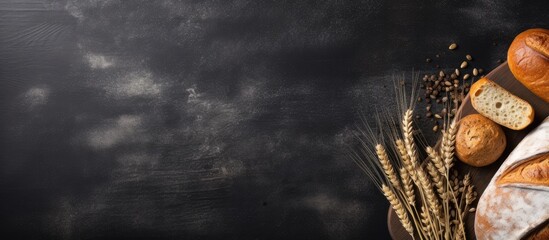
<point>213,119</point>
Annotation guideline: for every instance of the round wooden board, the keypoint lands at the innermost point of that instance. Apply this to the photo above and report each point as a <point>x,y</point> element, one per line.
<point>482,176</point>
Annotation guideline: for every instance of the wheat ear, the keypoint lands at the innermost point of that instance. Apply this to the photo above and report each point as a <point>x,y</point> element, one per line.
<point>406,161</point>
<point>435,158</point>
<point>407,186</point>
<point>407,132</point>
<point>436,176</point>
<point>448,143</point>
<point>425,222</point>
<point>432,199</point>
<point>399,209</point>
<point>386,165</point>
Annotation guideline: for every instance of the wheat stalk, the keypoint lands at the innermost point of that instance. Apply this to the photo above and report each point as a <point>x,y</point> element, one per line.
<point>386,165</point>
<point>405,158</point>
<point>436,176</point>
<point>407,132</point>
<point>399,209</point>
<point>444,200</point>
<point>408,188</point>
<point>427,188</point>
<point>429,198</point>
<point>448,143</point>
<point>435,158</point>
<point>426,222</point>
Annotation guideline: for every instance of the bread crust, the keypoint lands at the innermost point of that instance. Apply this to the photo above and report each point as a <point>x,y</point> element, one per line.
<point>516,208</point>
<point>528,60</point>
<point>540,234</point>
<point>533,172</point>
<point>479,140</point>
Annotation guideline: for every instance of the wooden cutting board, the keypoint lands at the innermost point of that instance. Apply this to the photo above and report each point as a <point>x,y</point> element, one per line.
<point>482,176</point>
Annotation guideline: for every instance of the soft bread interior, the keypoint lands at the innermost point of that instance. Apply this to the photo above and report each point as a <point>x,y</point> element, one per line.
<point>501,106</point>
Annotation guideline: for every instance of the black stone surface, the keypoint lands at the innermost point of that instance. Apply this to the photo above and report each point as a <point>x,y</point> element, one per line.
<point>213,119</point>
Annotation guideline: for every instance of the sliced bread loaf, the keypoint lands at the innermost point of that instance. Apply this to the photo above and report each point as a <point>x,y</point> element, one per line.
<point>499,105</point>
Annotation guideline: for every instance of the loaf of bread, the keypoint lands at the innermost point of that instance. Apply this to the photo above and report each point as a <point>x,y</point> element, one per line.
<point>515,205</point>
<point>479,140</point>
<point>500,106</point>
<point>528,59</point>
<point>541,233</point>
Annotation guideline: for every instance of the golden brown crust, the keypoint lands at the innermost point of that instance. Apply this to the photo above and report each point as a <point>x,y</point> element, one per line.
<point>516,211</point>
<point>479,140</point>
<point>534,171</point>
<point>540,234</point>
<point>478,84</point>
<point>528,59</point>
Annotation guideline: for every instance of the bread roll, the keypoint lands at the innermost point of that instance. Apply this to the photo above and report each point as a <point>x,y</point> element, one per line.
<point>515,205</point>
<point>528,59</point>
<point>479,141</point>
<point>500,106</point>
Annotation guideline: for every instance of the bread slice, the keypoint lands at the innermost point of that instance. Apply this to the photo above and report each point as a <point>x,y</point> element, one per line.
<point>500,106</point>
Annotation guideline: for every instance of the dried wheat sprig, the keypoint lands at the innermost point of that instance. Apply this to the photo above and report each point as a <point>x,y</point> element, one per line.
<point>406,161</point>
<point>460,232</point>
<point>470,195</point>
<point>386,165</point>
<point>467,179</point>
<point>448,143</point>
<point>436,159</point>
<point>437,178</point>
<point>443,198</point>
<point>399,209</point>
<point>468,190</point>
<point>427,188</point>
<point>407,187</point>
<point>407,132</point>
<point>425,222</point>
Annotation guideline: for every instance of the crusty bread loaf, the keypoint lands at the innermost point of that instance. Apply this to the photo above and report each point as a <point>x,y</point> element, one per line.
<point>515,203</point>
<point>528,60</point>
<point>534,171</point>
<point>541,233</point>
<point>500,106</point>
<point>479,140</point>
